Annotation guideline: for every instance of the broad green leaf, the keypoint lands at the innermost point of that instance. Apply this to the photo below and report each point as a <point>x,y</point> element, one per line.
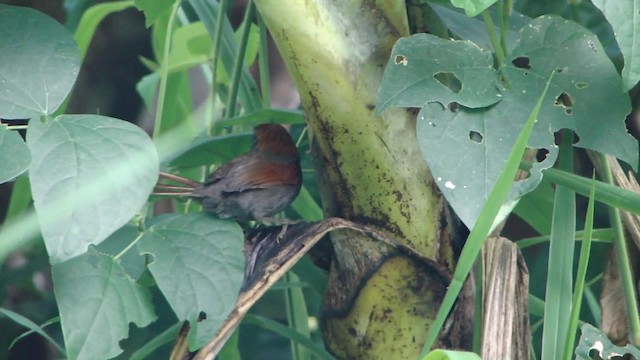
<point>473,7</point>
<point>593,339</point>
<point>92,18</point>
<point>199,266</point>
<point>587,90</point>
<point>14,154</point>
<point>39,64</point>
<point>89,175</point>
<point>153,9</point>
<point>97,300</point>
<point>483,226</point>
<point>451,355</point>
<point>624,17</point>
<point>427,68</point>
<point>480,141</point>
<point>586,97</point>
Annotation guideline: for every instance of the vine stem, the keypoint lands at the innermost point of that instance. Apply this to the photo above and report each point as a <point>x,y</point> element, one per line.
<point>495,41</point>
<point>132,244</point>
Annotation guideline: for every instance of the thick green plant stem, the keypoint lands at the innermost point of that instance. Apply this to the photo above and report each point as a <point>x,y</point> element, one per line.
<point>378,303</point>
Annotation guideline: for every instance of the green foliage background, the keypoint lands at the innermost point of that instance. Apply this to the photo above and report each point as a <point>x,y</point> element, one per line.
<point>114,263</point>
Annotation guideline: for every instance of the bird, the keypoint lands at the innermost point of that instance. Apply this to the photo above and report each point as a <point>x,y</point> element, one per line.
<point>254,186</point>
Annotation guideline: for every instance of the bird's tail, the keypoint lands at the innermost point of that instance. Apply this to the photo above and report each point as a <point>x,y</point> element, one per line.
<point>185,188</point>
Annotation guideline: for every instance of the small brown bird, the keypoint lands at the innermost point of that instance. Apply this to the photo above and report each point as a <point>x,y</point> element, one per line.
<point>253,186</point>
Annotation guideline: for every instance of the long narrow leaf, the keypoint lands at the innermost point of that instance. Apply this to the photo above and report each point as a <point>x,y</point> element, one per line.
<point>609,194</point>
<point>207,12</point>
<point>21,320</point>
<point>289,333</point>
<point>560,276</point>
<point>483,225</point>
<point>581,276</point>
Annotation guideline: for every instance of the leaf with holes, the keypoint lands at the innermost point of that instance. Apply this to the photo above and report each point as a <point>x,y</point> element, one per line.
<point>477,143</point>
<point>624,17</point>
<point>14,154</point>
<point>39,64</point>
<point>97,301</point>
<point>199,266</point>
<point>585,95</point>
<point>594,339</point>
<point>586,87</point>
<point>426,68</point>
<point>89,175</point>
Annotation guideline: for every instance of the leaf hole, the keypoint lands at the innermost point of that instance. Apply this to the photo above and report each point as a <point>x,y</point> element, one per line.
<point>541,155</point>
<point>401,60</point>
<point>521,62</point>
<point>566,101</point>
<point>561,70</point>
<point>475,136</point>
<point>202,316</point>
<point>453,106</point>
<point>450,80</point>
<point>581,84</point>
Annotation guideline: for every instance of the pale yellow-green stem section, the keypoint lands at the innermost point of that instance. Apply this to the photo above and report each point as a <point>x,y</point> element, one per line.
<point>336,52</point>
<point>370,171</point>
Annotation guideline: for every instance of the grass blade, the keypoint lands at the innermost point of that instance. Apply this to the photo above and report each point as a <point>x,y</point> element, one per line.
<point>580,277</point>
<point>560,274</point>
<point>483,225</point>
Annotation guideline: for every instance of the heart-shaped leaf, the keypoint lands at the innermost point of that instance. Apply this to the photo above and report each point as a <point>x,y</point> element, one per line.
<point>40,63</point>
<point>586,96</point>
<point>624,17</point>
<point>14,154</point>
<point>97,301</point>
<point>199,266</point>
<point>89,175</point>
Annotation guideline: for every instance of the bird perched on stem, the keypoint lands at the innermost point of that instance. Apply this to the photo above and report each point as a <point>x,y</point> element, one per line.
<point>253,186</point>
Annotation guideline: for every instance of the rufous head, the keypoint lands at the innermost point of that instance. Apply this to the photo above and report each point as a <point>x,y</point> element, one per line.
<point>274,139</point>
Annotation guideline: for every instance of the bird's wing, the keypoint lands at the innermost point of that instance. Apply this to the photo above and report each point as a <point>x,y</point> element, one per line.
<point>257,175</point>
